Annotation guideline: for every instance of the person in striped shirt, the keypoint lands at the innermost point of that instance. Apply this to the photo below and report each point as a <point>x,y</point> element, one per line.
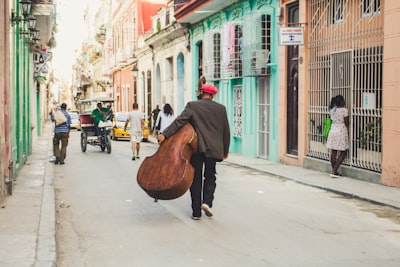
<point>61,134</point>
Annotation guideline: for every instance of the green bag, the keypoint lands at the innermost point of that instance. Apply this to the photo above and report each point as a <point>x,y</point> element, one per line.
<point>327,127</point>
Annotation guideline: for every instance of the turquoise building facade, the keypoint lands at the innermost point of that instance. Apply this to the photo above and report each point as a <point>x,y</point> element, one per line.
<point>236,49</point>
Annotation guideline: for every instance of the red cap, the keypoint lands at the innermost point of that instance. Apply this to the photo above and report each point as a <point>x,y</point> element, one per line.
<point>209,88</point>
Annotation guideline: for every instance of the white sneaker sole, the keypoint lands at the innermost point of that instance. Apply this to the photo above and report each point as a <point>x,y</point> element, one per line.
<point>207,210</point>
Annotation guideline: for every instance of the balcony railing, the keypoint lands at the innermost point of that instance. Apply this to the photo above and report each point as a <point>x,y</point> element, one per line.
<point>42,2</point>
<point>179,3</point>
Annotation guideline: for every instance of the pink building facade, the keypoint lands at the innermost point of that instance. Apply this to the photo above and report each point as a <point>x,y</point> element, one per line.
<point>4,98</point>
<point>391,96</point>
<point>131,20</point>
<point>350,49</point>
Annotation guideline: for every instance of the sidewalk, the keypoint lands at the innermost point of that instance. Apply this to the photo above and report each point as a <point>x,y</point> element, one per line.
<point>375,193</point>
<point>27,218</point>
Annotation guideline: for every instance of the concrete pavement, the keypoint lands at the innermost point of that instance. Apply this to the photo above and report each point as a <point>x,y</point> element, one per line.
<point>27,218</point>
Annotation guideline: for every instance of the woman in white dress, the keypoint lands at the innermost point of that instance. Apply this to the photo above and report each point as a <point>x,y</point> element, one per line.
<point>338,138</point>
<point>165,118</point>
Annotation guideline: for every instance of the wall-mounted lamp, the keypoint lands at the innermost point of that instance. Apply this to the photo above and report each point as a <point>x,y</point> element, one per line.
<point>33,42</point>
<point>34,32</point>
<point>135,71</point>
<point>35,39</point>
<point>25,6</point>
<point>32,22</point>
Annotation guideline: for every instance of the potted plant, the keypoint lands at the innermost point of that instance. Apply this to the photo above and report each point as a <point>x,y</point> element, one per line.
<point>318,143</point>
<point>370,143</point>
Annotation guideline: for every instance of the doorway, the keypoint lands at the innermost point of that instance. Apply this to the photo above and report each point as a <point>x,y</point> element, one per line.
<point>292,116</point>
<point>264,111</point>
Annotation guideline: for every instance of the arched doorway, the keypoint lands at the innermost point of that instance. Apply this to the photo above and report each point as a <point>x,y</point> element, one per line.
<point>149,95</point>
<point>157,85</point>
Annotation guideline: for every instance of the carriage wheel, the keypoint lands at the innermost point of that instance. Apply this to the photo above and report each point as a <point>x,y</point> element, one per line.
<point>83,141</point>
<point>108,145</point>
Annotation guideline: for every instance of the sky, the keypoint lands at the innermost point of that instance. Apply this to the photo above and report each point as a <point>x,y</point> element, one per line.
<point>71,33</point>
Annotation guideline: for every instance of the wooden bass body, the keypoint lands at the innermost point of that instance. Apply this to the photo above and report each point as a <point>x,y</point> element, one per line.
<point>168,173</point>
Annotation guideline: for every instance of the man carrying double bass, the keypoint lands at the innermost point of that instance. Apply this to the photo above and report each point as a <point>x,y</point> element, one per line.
<point>210,121</point>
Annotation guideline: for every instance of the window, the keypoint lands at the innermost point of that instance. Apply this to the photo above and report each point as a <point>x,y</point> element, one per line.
<point>238,51</point>
<point>217,55</point>
<point>337,10</point>
<point>167,18</point>
<point>209,54</point>
<point>135,96</point>
<point>200,58</point>
<point>260,58</point>
<point>257,44</point>
<point>266,32</point>
<point>371,7</point>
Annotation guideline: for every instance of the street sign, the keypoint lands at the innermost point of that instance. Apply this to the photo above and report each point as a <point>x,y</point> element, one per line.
<point>41,61</point>
<point>291,36</point>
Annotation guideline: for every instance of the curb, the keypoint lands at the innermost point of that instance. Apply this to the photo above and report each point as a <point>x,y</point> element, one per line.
<point>46,250</point>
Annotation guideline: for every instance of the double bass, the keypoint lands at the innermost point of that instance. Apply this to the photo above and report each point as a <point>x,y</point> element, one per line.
<point>168,173</point>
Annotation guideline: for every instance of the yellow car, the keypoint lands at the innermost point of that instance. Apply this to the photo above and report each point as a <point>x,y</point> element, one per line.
<point>146,131</point>
<point>118,131</point>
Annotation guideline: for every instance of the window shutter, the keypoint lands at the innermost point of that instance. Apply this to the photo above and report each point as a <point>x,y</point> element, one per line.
<point>208,56</point>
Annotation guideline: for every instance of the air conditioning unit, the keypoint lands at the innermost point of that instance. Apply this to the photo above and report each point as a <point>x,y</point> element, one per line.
<point>259,60</point>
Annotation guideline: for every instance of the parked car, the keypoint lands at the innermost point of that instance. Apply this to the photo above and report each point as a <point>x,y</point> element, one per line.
<point>75,122</point>
<point>118,131</point>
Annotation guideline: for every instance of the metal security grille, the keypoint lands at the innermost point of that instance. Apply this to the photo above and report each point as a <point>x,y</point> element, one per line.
<point>345,57</point>
<point>257,44</point>
<point>237,111</point>
<point>232,50</point>
<point>217,55</point>
<point>212,55</point>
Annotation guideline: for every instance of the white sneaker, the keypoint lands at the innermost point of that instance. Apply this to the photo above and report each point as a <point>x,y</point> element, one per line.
<point>207,210</point>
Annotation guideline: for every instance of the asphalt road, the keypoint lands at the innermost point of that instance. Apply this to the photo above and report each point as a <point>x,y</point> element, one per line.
<point>105,219</point>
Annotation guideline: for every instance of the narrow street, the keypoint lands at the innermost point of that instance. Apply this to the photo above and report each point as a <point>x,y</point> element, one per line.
<point>103,218</point>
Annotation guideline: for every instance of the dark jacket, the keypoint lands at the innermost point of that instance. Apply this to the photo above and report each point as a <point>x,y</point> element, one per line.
<point>210,122</point>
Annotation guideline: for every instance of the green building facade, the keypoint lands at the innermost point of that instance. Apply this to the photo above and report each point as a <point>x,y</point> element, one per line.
<point>21,83</point>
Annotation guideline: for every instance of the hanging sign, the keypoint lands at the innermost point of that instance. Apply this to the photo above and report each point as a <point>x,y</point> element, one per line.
<point>369,101</point>
<point>291,36</point>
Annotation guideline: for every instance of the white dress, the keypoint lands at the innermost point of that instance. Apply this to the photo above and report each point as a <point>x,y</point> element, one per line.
<point>338,138</point>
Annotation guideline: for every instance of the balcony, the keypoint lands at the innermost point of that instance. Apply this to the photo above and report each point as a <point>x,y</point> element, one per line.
<point>42,7</point>
<point>101,35</point>
<point>166,35</point>
<point>179,3</point>
<point>193,11</point>
<point>43,10</point>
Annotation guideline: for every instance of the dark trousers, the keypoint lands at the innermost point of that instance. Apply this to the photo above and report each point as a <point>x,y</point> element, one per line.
<point>63,138</point>
<point>202,191</point>
<point>97,130</point>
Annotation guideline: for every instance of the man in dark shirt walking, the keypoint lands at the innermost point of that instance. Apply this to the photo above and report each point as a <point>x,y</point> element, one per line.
<point>210,121</point>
